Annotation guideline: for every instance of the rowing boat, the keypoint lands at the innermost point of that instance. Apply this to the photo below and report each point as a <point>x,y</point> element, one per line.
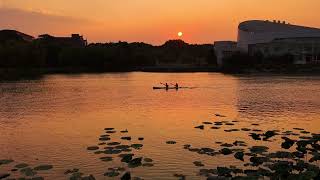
<point>156,88</point>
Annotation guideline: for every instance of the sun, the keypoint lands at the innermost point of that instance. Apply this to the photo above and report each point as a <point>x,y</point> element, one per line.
<point>180,34</point>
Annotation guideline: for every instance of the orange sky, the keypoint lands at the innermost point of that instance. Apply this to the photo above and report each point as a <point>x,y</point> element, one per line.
<point>151,21</point>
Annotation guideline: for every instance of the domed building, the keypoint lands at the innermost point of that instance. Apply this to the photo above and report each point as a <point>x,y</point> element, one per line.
<point>272,39</point>
<point>258,31</point>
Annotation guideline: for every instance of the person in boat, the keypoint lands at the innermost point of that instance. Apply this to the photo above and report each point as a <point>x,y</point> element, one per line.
<point>167,86</point>
<point>177,86</point>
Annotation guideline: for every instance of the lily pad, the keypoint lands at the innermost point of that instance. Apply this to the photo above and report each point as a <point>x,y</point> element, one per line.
<point>109,147</point>
<point>207,172</point>
<point>106,159</point>
<point>147,160</point>
<point>22,165</point>
<point>90,177</point>
<point>137,178</point>
<point>104,139</point>
<point>113,143</point>
<point>112,174</point>
<point>288,143</point>
<point>238,143</point>
<point>206,150</point>
<point>256,161</point>
<point>298,154</point>
<point>219,115</point>
<point>69,171</point>
<point>5,175</point>
<point>258,149</point>
<point>226,145</point>
<point>224,171</point>
<point>126,150</point>
<point>316,157</point>
<point>105,135</point>
<point>128,138</point>
<point>206,122</point>
<point>76,176</point>
<point>269,134</point>
<point>200,127</point>
<point>147,165</point>
<point>135,162</point>
<point>28,172</point>
<point>198,163</point>
<point>180,176</point>
<point>281,154</point>
<point>136,146</point>
<point>281,168</point>
<point>305,137</point>
<point>239,155</point>
<point>122,147</point>
<point>108,129</point>
<point>126,158</point>
<point>126,176</point>
<point>92,148</point>
<point>112,151</point>
<point>225,151</point>
<point>255,136</point>
<point>120,169</point>
<point>5,161</point>
<point>218,123</point>
<point>43,167</point>
<point>305,132</point>
<point>231,130</point>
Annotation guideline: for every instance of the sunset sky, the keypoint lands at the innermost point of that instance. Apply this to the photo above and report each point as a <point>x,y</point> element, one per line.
<point>151,21</point>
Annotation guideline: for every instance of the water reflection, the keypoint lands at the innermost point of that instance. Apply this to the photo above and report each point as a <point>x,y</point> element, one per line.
<point>54,119</point>
<point>278,98</point>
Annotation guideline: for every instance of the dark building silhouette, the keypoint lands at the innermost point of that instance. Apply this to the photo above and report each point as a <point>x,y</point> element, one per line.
<point>13,35</point>
<point>74,41</point>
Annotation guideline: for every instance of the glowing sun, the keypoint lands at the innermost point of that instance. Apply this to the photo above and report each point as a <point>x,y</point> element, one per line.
<point>180,34</point>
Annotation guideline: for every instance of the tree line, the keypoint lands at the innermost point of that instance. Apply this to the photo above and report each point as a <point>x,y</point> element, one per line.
<point>120,56</point>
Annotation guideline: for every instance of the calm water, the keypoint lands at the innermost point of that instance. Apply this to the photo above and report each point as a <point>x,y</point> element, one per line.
<point>54,119</point>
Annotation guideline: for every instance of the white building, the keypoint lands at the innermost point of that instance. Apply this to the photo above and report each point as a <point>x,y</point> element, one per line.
<point>273,38</point>
<point>257,31</point>
<point>303,50</point>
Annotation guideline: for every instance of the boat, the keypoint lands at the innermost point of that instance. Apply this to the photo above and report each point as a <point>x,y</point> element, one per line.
<point>156,88</point>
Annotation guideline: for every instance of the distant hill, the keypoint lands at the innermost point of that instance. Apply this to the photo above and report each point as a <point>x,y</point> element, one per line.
<point>7,35</point>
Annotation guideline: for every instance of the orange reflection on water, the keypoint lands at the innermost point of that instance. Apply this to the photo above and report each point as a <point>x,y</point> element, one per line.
<point>54,119</point>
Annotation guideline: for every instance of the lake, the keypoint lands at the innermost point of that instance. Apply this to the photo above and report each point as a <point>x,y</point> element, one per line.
<point>54,119</point>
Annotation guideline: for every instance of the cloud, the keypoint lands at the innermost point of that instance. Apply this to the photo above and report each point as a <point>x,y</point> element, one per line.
<point>37,22</point>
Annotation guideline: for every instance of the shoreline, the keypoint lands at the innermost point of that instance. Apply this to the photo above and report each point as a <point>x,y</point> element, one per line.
<point>33,73</point>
